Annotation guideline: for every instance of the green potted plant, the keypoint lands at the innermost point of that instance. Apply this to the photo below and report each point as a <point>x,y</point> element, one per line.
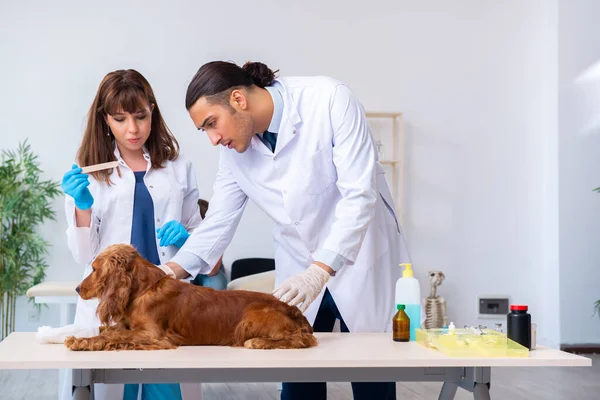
<point>25,203</point>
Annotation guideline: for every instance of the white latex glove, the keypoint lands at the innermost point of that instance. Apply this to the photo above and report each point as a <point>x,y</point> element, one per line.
<point>302,289</point>
<point>167,270</point>
<point>46,334</point>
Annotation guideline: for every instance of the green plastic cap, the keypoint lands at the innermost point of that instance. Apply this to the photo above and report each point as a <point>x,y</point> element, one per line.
<point>400,307</point>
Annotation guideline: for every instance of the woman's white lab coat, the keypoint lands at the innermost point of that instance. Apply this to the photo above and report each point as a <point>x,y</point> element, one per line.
<point>174,193</point>
<point>324,188</point>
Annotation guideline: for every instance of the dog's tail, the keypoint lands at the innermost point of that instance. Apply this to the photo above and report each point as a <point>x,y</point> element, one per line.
<point>280,327</point>
<point>295,340</point>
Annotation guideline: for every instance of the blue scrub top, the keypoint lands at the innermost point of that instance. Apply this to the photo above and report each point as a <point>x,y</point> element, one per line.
<point>142,229</point>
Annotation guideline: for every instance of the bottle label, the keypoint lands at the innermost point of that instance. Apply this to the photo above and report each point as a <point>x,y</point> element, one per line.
<point>414,314</point>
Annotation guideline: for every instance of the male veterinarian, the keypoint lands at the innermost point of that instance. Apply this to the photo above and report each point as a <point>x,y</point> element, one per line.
<point>301,149</point>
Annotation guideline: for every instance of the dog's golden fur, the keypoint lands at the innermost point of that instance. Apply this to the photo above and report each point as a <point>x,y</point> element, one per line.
<point>140,308</point>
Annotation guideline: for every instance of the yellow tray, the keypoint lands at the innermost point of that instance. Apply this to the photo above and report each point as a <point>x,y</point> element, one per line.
<point>466,343</point>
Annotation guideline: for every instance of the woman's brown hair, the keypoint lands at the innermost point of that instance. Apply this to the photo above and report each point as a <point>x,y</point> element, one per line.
<point>123,91</point>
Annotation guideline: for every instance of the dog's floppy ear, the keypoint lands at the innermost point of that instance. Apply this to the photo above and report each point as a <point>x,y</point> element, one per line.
<point>115,284</point>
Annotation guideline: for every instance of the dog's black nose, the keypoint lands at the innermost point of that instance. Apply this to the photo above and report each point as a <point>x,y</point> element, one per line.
<point>77,289</point>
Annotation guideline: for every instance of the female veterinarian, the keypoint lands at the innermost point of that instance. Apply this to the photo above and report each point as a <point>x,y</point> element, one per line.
<point>151,189</point>
<point>301,149</point>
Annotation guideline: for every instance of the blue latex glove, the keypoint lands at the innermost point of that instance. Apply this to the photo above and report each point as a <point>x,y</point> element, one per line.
<point>172,233</point>
<point>75,184</point>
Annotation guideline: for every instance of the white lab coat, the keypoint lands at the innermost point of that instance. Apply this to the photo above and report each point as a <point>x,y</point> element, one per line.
<point>174,193</point>
<point>324,188</point>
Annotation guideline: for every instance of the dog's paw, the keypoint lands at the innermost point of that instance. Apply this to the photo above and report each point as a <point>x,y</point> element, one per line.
<point>74,343</point>
<point>260,343</point>
<point>252,344</point>
<point>69,340</point>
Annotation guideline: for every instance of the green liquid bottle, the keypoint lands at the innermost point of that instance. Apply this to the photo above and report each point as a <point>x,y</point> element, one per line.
<point>401,331</point>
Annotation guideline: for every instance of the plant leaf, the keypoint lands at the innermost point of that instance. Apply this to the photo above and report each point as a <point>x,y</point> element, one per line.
<point>25,204</point>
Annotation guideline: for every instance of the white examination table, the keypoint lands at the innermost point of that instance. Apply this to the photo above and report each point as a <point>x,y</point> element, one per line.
<point>339,357</point>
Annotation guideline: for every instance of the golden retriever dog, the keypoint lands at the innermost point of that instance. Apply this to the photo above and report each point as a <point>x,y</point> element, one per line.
<point>140,308</point>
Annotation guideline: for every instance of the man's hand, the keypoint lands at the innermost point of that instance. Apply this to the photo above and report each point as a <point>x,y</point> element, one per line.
<point>217,268</point>
<point>302,289</point>
<point>167,271</point>
<point>179,272</point>
<point>325,267</point>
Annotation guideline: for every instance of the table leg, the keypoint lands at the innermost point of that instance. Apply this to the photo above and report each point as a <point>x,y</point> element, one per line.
<point>477,381</point>
<point>474,379</point>
<point>481,391</point>
<point>81,393</point>
<point>61,381</point>
<point>82,384</point>
<point>448,391</point>
<point>65,309</point>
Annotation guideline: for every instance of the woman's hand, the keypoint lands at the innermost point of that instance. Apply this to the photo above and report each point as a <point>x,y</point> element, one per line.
<point>75,184</point>
<point>172,233</point>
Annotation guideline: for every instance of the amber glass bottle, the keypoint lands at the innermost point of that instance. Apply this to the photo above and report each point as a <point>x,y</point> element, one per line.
<point>401,322</point>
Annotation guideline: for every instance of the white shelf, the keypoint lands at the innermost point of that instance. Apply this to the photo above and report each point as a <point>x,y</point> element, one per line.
<point>390,162</point>
<point>383,115</point>
<point>394,151</point>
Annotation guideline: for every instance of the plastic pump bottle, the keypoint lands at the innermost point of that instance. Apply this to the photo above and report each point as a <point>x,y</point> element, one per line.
<point>408,292</point>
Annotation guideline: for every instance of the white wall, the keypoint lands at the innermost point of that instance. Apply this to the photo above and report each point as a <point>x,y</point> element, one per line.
<point>475,80</point>
<point>480,93</point>
<point>579,49</point>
